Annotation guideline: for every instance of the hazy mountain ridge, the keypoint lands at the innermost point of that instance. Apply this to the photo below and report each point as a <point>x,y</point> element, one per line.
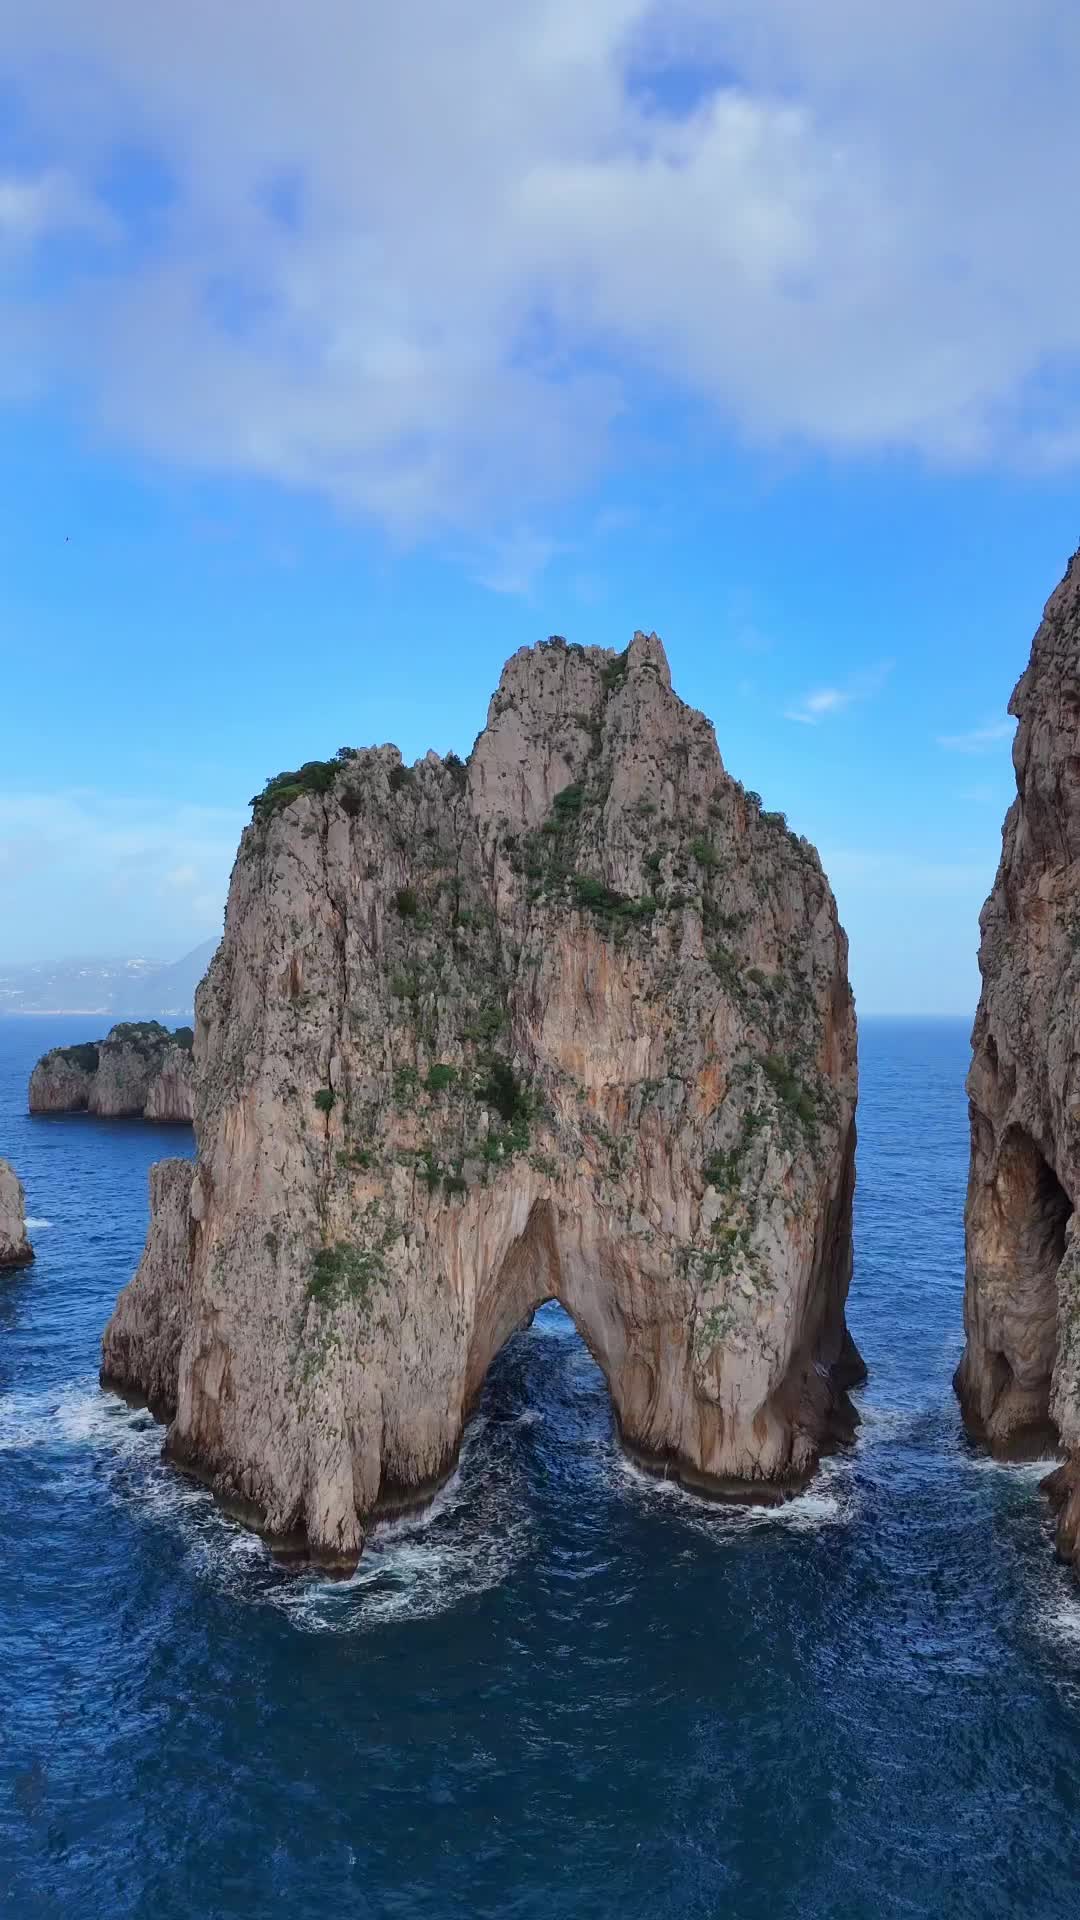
<point>106,986</point>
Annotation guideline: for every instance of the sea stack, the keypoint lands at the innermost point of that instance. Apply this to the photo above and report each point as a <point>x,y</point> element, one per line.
<point>1019,1379</point>
<point>139,1070</point>
<point>15,1248</point>
<point>572,1022</point>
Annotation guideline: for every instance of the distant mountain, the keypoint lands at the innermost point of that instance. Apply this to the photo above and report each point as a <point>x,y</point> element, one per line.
<point>116,988</point>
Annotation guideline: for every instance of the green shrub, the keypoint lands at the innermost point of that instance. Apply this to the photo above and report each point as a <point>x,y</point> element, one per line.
<point>704,852</point>
<point>84,1056</point>
<point>354,1159</point>
<point>400,777</point>
<point>406,902</point>
<point>502,1091</point>
<point>430,1170</point>
<point>184,1037</point>
<point>455,1183</point>
<point>567,805</point>
<point>592,893</point>
<point>324,1099</point>
<point>456,768</point>
<point>315,776</point>
<point>794,1095</point>
<point>613,675</point>
<point>488,1022</point>
<point>346,1272</point>
<point>140,1033</point>
<point>440,1076</point>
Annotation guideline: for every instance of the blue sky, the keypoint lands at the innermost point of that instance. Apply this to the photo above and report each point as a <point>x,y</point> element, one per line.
<point>340,359</point>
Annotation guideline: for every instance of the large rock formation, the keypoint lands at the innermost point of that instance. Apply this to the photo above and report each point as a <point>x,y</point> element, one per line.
<point>570,1022</point>
<point>15,1248</point>
<point>1019,1379</point>
<point>139,1069</point>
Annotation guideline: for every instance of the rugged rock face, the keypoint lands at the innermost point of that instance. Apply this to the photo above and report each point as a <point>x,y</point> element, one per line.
<point>1019,1379</point>
<point>15,1248</point>
<point>170,1096</point>
<point>141,1349</point>
<point>570,1022</point>
<point>62,1079</point>
<point>139,1069</point>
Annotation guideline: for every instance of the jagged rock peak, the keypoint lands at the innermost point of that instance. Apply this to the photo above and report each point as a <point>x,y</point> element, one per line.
<point>1019,1379</point>
<point>15,1248</point>
<point>570,1021</point>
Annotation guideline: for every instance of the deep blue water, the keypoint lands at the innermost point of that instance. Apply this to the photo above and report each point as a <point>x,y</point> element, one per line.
<point>569,1690</point>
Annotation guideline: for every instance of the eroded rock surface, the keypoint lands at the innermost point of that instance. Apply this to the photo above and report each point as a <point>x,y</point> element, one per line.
<point>140,1068</point>
<point>141,1349</point>
<point>1019,1379</point>
<point>570,1022</point>
<point>170,1096</point>
<point>15,1248</point>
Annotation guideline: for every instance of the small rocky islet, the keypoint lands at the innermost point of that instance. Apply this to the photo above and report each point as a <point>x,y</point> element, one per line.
<point>15,1248</point>
<point>141,1069</point>
<point>570,1021</point>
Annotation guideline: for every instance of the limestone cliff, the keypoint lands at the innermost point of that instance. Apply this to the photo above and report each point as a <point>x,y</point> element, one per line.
<point>571,1021</point>
<point>170,1095</point>
<point>1019,1379</point>
<point>139,1069</point>
<point>15,1248</point>
<point>142,1340</point>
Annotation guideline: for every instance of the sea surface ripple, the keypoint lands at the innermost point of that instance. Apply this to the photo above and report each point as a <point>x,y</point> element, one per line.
<point>567,1689</point>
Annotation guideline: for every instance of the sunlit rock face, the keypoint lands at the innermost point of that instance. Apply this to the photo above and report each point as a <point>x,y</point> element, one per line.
<point>1019,1379</point>
<point>139,1069</point>
<point>15,1248</point>
<point>571,1022</point>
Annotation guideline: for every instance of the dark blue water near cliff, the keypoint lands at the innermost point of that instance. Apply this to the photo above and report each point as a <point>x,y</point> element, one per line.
<point>570,1691</point>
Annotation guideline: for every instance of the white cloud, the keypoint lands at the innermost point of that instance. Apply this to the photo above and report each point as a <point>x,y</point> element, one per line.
<point>34,207</point>
<point>515,563</point>
<point>817,706</point>
<point>979,739</point>
<point>416,259</point>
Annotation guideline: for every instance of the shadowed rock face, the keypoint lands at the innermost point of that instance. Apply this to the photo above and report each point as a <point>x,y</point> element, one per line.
<point>138,1070</point>
<point>571,1023</point>
<point>1019,1379</point>
<point>15,1248</point>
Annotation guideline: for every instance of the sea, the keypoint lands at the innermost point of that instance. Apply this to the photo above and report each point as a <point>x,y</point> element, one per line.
<point>567,1689</point>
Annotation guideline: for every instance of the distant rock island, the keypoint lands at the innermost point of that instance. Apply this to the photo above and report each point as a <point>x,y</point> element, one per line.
<point>15,1248</point>
<point>571,1022</point>
<point>139,1068</point>
<point>1019,1379</point>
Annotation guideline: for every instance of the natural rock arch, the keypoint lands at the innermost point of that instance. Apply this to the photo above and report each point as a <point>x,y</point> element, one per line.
<point>570,1023</point>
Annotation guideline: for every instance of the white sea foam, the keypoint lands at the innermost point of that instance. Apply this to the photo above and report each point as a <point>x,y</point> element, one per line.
<point>827,1502</point>
<point>36,1226</point>
<point>1059,1618</point>
<point>1034,1470</point>
<point>64,1415</point>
